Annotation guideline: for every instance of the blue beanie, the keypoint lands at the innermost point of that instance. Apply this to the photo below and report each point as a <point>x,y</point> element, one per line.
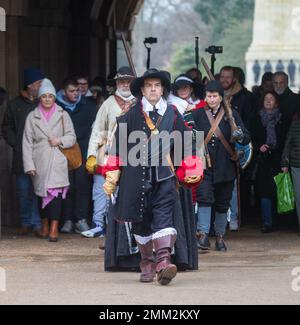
<point>31,76</point>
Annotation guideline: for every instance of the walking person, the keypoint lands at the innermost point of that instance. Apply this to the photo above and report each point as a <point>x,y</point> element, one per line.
<point>216,189</point>
<point>12,129</point>
<point>48,128</point>
<point>82,111</point>
<point>151,202</point>
<point>268,139</point>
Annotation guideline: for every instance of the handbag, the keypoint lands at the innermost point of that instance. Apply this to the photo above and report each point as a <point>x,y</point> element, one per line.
<point>72,154</point>
<point>285,193</point>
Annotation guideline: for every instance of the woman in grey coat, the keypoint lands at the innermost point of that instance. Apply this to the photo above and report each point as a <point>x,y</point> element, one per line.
<point>48,128</point>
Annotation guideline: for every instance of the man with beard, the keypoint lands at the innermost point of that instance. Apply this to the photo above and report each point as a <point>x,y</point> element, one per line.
<point>240,98</point>
<point>289,102</point>
<point>102,134</point>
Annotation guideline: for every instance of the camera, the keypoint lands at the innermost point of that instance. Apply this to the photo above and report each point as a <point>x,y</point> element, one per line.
<point>214,49</point>
<point>150,40</point>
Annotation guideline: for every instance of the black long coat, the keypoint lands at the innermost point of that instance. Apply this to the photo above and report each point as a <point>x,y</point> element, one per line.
<point>268,164</point>
<point>224,169</point>
<point>132,193</point>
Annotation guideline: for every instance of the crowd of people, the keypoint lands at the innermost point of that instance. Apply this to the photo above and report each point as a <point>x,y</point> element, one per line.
<point>168,209</point>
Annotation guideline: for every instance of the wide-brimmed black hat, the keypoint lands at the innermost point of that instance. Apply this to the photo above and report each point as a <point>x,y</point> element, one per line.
<point>122,73</point>
<point>215,86</point>
<point>138,83</point>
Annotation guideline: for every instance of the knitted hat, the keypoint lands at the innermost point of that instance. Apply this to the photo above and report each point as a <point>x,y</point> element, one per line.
<point>31,76</point>
<point>47,88</point>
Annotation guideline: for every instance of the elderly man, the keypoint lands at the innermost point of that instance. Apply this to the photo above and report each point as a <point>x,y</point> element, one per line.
<point>148,194</point>
<point>102,133</point>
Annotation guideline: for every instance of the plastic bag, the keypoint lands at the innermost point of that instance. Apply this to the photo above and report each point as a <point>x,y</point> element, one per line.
<point>285,193</point>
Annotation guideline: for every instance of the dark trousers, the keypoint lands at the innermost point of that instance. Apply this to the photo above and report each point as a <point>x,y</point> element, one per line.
<point>214,195</point>
<point>77,204</point>
<point>161,200</point>
<point>52,211</point>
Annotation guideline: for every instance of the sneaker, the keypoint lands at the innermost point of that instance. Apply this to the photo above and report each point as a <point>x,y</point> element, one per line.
<point>92,233</point>
<point>203,241</point>
<point>233,227</point>
<point>81,226</point>
<point>220,244</point>
<point>68,227</point>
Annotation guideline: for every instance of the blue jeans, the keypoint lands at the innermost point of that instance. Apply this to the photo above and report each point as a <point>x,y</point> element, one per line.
<point>267,212</point>
<point>101,202</point>
<point>204,219</point>
<point>28,202</point>
<point>234,221</point>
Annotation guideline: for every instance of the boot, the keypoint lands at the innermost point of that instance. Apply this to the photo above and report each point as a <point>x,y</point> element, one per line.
<point>163,248</point>
<point>45,228</point>
<point>147,265</point>
<point>53,231</point>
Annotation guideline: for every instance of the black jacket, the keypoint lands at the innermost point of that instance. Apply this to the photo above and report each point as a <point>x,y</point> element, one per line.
<point>83,118</point>
<point>224,169</point>
<point>13,127</point>
<point>291,152</point>
<point>244,103</point>
<point>289,105</point>
<point>268,164</point>
<point>133,183</point>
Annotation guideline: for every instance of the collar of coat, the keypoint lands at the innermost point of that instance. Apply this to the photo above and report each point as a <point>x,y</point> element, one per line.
<point>161,106</point>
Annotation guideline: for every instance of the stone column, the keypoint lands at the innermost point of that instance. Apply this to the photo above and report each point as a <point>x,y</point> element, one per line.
<point>276,36</point>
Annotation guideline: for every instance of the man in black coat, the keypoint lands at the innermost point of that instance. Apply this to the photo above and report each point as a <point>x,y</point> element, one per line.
<point>289,102</point>
<point>82,111</point>
<point>12,128</point>
<point>147,193</point>
<point>217,186</point>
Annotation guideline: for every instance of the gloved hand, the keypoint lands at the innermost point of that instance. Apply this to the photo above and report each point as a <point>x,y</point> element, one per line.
<point>112,179</point>
<point>192,179</point>
<point>109,188</point>
<point>113,176</point>
<point>238,135</point>
<point>91,164</point>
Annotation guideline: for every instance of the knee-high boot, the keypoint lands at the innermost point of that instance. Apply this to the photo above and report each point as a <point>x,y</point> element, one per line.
<point>163,248</point>
<point>147,263</point>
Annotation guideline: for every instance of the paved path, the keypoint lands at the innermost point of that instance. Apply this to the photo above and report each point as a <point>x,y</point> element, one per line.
<point>257,269</point>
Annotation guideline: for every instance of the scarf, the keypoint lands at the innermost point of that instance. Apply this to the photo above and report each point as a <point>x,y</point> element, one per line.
<point>70,106</point>
<point>47,113</point>
<point>269,121</point>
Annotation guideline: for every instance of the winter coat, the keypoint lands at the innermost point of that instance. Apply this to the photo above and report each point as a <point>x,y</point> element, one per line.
<point>48,162</point>
<point>83,118</point>
<point>291,152</point>
<point>104,125</point>
<point>13,127</point>
<point>266,165</point>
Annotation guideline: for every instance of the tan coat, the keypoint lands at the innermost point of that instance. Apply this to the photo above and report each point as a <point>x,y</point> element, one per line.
<point>49,163</point>
<point>104,124</point>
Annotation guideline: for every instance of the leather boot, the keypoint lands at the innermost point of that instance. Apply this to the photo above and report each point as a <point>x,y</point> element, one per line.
<point>147,265</point>
<point>203,241</point>
<point>53,235</point>
<point>220,244</point>
<point>163,248</point>
<point>45,228</point>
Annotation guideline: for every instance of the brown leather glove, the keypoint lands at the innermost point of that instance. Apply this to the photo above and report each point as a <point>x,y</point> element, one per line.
<point>192,179</point>
<point>113,176</point>
<point>109,188</point>
<point>91,164</point>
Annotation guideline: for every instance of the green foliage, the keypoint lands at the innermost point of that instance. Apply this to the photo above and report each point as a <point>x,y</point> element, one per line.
<point>230,24</point>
